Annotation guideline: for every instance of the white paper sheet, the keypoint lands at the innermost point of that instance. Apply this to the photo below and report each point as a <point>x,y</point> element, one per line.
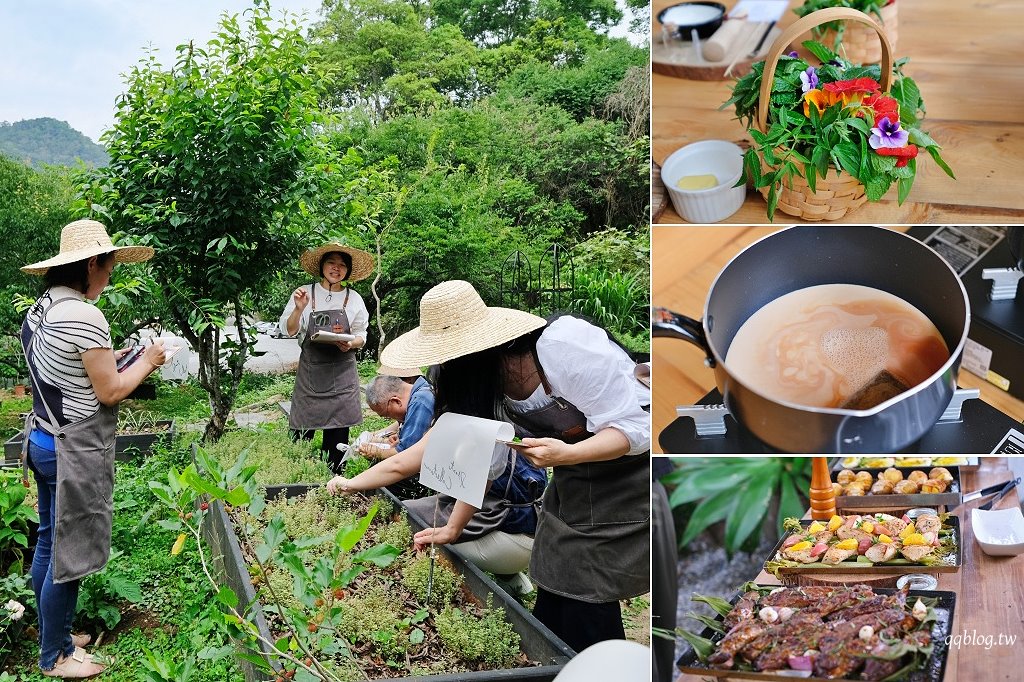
<point>759,10</point>
<point>331,337</point>
<point>458,455</point>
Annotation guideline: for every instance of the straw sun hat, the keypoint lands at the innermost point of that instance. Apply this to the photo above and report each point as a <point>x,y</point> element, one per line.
<point>84,239</point>
<point>454,322</point>
<point>400,372</point>
<point>362,262</point>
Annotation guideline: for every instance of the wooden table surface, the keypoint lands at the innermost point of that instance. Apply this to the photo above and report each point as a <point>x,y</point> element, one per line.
<point>684,262</point>
<point>967,56</point>
<point>989,595</point>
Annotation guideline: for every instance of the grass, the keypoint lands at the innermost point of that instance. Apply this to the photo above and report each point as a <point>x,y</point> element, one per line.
<point>11,408</point>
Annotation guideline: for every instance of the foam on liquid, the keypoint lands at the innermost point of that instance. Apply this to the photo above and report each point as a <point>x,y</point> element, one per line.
<point>820,345</point>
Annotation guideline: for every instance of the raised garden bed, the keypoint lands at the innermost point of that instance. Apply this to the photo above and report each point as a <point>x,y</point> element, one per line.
<point>127,446</point>
<point>538,643</point>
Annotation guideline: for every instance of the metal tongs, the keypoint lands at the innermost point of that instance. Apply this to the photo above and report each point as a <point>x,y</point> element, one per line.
<point>999,490</point>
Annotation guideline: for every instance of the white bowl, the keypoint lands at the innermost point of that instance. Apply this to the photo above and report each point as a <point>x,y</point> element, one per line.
<point>722,159</point>
<point>999,532</point>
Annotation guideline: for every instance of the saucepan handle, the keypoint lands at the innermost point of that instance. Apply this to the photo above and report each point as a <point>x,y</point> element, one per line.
<point>664,322</point>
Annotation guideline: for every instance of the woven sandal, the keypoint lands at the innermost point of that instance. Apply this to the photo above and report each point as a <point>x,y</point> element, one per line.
<point>77,666</point>
<point>81,640</point>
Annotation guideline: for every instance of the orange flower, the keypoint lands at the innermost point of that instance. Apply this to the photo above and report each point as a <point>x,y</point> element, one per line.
<point>820,99</point>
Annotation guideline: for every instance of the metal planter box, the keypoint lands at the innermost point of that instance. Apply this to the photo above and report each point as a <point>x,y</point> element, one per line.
<point>127,446</point>
<point>538,642</point>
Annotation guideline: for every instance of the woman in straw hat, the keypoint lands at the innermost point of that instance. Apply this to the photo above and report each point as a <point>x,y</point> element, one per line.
<point>326,396</point>
<point>72,426</point>
<point>570,391</point>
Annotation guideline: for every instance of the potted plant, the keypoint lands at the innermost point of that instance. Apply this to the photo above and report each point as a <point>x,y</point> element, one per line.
<point>138,431</point>
<point>859,42</point>
<point>827,138</point>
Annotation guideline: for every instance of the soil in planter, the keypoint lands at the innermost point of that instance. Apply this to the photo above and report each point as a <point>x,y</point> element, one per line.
<point>384,609</point>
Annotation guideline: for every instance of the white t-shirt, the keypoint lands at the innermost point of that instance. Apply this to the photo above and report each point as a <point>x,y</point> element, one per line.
<point>583,366</point>
<point>358,317</point>
<point>72,328</point>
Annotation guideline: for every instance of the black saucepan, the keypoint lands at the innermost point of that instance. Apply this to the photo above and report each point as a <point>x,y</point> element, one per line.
<point>805,256</point>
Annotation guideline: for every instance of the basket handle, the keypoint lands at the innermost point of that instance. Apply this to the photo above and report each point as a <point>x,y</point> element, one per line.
<point>803,25</point>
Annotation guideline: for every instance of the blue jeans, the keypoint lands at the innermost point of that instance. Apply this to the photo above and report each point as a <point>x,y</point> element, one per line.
<point>55,603</point>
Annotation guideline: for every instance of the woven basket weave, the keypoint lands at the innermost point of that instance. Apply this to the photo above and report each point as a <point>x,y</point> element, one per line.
<point>860,43</point>
<point>835,195</point>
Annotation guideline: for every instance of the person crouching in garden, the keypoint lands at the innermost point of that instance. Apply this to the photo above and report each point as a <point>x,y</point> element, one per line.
<point>570,390</point>
<point>408,398</point>
<point>326,395</point>
<point>71,431</point>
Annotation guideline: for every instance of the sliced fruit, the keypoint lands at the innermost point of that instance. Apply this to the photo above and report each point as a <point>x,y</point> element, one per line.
<point>850,543</point>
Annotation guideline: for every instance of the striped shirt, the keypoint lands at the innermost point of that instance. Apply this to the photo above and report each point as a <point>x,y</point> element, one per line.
<point>55,353</point>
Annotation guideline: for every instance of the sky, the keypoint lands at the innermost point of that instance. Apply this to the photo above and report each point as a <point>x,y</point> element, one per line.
<point>65,59</point>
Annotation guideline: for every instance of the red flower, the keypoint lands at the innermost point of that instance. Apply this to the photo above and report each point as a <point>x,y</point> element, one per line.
<point>902,154</point>
<point>882,106</point>
<point>849,87</point>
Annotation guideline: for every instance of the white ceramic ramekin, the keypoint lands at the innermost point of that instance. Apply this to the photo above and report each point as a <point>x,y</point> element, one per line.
<point>722,159</point>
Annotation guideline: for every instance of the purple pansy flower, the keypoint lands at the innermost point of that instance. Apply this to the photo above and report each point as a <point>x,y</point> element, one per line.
<point>793,54</point>
<point>888,134</point>
<point>809,79</point>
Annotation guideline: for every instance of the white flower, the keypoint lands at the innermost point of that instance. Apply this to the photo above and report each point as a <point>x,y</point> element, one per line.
<point>16,609</point>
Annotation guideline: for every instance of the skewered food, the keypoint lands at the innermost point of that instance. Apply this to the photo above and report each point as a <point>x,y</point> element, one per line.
<point>906,488</point>
<point>891,474</point>
<point>918,477</point>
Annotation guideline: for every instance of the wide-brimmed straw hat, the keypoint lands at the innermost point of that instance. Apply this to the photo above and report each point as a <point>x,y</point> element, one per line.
<point>400,372</point>
<point>362,262</point>
<point>454,322</point>
<point>84,239</point>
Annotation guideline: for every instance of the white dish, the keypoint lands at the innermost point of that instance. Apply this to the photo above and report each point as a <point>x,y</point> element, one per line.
<point>999,532</point>
<point>720,158</point>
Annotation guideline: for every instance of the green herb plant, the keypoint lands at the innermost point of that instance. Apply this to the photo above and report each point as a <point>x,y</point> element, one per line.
<point>188,494</point>
<point>843,123</point>
<point>15,516</point>
<point>100,594</point>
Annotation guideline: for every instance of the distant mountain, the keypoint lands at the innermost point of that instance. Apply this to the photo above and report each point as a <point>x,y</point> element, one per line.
<point>48,141</point>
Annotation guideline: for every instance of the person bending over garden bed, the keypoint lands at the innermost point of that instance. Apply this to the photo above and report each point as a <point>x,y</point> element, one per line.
<point>71,430</point>
<point>569,390</point>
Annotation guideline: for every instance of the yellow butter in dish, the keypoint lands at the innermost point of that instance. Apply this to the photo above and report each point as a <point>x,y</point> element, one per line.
<point>692,182</point>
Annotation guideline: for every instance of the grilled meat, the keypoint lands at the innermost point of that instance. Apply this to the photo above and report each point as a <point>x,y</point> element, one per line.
<point>735,640</point>
<point>803,626</point>
<point>744,609</point>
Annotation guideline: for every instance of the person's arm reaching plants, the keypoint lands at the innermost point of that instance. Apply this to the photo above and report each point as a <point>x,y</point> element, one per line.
<point>388,471</point>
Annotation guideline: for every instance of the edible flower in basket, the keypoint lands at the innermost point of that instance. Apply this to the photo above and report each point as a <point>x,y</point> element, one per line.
<point>828,137</point>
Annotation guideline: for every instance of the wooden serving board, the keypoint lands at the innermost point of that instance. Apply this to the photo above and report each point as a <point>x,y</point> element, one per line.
<point>679,59</point>
<point>659,195</point>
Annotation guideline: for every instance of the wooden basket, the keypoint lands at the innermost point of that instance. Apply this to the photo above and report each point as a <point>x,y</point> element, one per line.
<point>835,195</point>
<point>860,44</point>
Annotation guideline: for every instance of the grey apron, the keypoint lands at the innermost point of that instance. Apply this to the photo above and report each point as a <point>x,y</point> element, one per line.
<point>326,392</point>
<point>85,484</point>
<point>592,541</point>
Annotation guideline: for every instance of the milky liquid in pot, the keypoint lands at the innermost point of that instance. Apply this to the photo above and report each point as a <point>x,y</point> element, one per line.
<point>820,345</point>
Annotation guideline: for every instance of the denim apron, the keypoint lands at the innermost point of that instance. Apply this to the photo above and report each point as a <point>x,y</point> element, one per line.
<point>85,483</point>
<point>326,394</point>
<point>592,541</point>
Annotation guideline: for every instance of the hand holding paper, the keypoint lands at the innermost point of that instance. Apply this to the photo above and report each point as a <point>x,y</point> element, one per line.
<point>458,455</point>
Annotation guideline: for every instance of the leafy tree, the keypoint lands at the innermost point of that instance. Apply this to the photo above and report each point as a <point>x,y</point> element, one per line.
<point>34,205</point>
<point>382,56</point>
<point>209,162</point>
<point>491,22</point>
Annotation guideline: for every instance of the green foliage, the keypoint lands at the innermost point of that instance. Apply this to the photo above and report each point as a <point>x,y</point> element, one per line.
<point>738,491</point>
<point>15,515</point>
<point>16,591</point>
<point>490,639</point>
<point>277,459</point>
<point>810,144</point>
<point>100,594</point>
<point>618,301</point>
<point>211,160</point>
<point>167,668</point>
<point>446,582</point>
<point>47,141</point>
